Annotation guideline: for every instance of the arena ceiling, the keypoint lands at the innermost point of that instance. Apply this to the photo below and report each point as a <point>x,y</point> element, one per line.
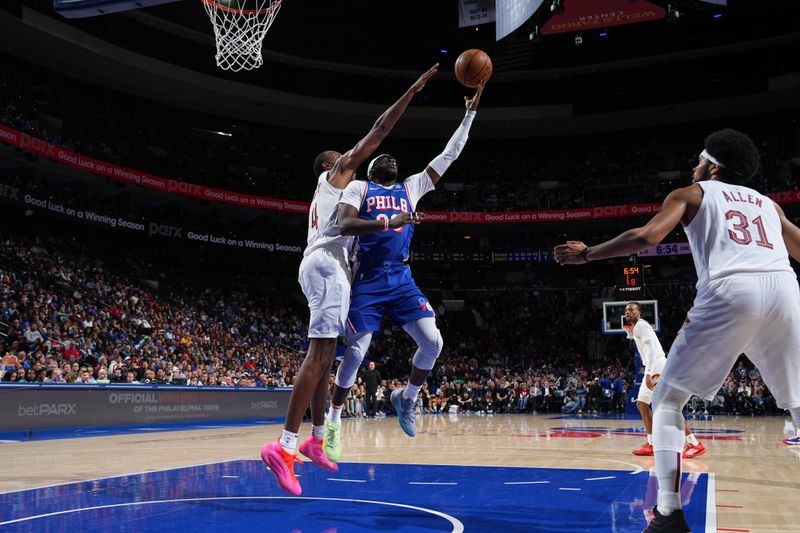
<point>402,35</point>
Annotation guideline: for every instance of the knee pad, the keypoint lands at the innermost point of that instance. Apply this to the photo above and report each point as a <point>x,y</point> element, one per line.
<point>668,422</point>
<point>353,356</point>
<point>429,342</point>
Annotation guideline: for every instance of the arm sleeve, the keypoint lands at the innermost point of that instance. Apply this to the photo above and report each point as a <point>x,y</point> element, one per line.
<point>454,146</point>
<point>418,186</point>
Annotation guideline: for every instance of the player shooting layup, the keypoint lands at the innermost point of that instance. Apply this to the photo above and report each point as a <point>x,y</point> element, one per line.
<point>748,300</point>
<point>381,279</point>
<point>325,279</point>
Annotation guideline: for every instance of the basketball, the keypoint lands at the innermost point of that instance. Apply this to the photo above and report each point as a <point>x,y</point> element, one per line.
<point>472,67</point>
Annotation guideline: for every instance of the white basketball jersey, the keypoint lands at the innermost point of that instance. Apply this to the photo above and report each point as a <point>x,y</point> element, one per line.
<point>649,347</point>
<point>736,230</point>
<point>322,229</point>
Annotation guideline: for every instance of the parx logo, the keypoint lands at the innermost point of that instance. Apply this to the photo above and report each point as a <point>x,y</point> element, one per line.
<point>47,409</point>
<point>7,191</point>
<point>164,230</point>
<point>265,404</point>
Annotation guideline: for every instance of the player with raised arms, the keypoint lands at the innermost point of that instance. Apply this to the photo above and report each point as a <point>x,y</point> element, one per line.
<point>382,280</point>
<point>325,279</point>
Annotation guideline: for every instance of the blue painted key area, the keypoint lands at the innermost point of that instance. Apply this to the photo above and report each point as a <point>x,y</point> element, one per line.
<point>241,496</point>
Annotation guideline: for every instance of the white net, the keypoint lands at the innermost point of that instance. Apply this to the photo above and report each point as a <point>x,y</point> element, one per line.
<point>239,29</point>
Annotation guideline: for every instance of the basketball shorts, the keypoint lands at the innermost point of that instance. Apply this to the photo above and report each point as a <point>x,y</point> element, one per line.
<point>754,314</point>
<point>389,289</point>
<point>325,279</point>
<point>645,395</point>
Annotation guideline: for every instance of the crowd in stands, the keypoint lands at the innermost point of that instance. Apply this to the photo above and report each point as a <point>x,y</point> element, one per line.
<point>66,316</point>
<point>502,175</point>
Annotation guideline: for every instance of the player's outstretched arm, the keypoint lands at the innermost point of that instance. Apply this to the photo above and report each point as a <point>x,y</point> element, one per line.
<point>343,171</point>
<point>791,234</point>
<point>442,162</point>
<point>634,240</point>
<point>350,224</point>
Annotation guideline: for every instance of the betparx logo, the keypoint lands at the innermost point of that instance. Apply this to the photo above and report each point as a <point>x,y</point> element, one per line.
<point>47,409</point>
<point>266,404</point>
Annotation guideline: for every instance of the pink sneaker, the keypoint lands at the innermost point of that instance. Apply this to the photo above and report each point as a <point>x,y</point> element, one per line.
<point>312,448</point>
<point>282,466</point>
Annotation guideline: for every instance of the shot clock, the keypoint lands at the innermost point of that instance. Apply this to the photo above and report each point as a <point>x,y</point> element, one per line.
<point>630,281</point>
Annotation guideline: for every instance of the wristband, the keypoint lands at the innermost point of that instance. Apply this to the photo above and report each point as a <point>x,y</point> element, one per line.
<point>386,224</point>
<point>584,252</point>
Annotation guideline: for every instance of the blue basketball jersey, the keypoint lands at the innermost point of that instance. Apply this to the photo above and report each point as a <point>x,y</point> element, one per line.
<point>382,203</point>
<point>381,283</point>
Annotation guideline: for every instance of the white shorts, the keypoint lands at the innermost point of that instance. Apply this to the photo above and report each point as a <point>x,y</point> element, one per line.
<point>325,279</point>
<point>758,315</point>
<point>645,394</point>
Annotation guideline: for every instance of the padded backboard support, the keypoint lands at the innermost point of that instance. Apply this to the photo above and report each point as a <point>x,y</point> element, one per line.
<point>92,8</point>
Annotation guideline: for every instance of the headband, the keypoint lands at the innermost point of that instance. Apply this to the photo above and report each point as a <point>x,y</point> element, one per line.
<point>372,163</point>
<point>711,158</point>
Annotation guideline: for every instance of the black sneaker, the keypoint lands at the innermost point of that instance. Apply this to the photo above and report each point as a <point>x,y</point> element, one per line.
<point>674,523</point>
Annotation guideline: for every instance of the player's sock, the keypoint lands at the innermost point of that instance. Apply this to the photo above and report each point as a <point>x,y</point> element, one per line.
<point>335,414</point>
<point>288,441</point>
<point>668,501</point>
<point>411,391</point>
<point>650,439</point>
<point>795,412</point>
<point>692,439</point>
<point>318,431</point>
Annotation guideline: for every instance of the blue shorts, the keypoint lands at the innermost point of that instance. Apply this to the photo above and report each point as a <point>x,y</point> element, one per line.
<point>387,288</point>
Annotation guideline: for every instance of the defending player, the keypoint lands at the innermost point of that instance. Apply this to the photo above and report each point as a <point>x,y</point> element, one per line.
<point>382,280</point>
<point>325,279</point>
<point>654,359</point>
<point>748,299</point>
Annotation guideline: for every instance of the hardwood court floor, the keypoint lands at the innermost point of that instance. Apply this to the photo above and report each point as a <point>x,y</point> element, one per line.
<point>757,477</point>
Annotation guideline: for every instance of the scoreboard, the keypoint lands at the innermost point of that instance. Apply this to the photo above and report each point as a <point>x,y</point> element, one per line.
<point>630,281</point>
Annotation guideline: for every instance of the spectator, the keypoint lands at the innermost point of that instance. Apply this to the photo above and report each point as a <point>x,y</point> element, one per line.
<point>372,379</point>
<point>570,403</point>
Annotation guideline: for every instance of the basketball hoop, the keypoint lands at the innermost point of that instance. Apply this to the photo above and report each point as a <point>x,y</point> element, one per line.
<point>239,29</point>
<point>628,330</point>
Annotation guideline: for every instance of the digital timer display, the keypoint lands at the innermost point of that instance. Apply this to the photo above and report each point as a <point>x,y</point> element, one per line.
<point>630,278</point>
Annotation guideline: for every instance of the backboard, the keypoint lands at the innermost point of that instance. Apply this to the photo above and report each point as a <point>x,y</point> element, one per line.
<point>614,315</point>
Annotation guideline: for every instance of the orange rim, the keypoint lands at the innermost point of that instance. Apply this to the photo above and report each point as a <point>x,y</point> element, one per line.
<point>275,5</point>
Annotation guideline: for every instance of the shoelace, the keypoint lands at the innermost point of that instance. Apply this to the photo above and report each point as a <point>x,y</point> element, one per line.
<point>292,459</point>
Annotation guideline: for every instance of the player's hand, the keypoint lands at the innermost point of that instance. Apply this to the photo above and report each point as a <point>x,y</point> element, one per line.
<point>405,218</point>
<point>472,103</point>
<point>651,381</point>
<point>571,253</point>
<point>420,83</point>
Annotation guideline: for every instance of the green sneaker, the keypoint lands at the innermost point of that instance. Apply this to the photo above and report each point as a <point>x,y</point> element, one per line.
<point>332,444</point>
